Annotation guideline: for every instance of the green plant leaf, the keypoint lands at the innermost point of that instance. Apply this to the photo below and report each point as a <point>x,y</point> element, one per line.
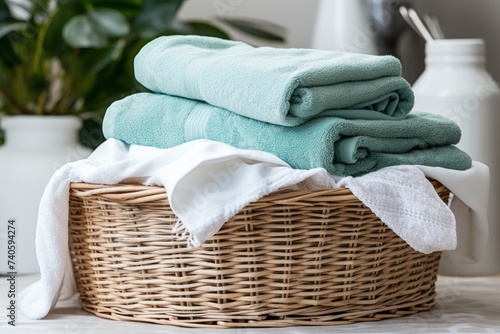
<point>6,28</point>
<point>8,55</point>
<point>156,17</point>
<point>20,6</point>
<point>82,32</point>
<point>54,43</point>
<point>37,83</point>
<point>109,22</point>
<point>129,8</point>
<point>91,133</point>
<point>258,28</point>
<point>42,7</point>
<point>197,28</point>
<point>113,81</point>
<point>4,11</point>
<point>94,60</point>
<point>92,30</point>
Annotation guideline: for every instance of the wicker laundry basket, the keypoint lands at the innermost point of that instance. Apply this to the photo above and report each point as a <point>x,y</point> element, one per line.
<point>292,258</point>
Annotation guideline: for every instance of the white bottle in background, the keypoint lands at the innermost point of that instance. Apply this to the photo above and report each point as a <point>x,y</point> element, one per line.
<point>455,84</point>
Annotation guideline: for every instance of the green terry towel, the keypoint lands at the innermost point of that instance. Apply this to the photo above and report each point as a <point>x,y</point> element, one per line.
<point>278,86</point>
<point>341,146</point>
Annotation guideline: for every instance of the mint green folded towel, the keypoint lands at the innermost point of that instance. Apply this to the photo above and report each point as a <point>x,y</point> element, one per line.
<point>341,146</point>
<point>278,86</point>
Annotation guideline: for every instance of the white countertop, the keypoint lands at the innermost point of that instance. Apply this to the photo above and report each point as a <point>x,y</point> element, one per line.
<point>463,305</point>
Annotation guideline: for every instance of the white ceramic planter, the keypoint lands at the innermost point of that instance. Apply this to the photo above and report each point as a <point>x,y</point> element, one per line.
<point>35,147</point>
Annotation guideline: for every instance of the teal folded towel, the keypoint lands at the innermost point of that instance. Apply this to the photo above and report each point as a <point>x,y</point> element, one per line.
<point>341,146</point>
<point>279,86</point>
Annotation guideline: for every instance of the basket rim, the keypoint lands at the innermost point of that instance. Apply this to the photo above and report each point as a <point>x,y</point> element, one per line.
<point>148,193</point>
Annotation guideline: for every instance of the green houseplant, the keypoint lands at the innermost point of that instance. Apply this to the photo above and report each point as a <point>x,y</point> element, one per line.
<point>68,57</point>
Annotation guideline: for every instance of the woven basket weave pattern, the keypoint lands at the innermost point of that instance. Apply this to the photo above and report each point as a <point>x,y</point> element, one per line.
<point>291,258</point>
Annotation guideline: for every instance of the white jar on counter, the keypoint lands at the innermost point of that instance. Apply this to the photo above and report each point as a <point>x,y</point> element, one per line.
<point>455,84</point>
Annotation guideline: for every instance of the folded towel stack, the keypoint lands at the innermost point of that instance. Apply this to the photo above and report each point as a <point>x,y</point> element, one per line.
<point>347,113</point>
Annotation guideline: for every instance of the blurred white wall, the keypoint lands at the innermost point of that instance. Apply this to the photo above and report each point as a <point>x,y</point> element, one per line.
<point>297,16</point>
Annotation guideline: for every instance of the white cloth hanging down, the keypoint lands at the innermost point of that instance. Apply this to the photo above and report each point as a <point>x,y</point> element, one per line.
<point>208,182</point>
